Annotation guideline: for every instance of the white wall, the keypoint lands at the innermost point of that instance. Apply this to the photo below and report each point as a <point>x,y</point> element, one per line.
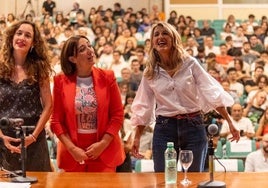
<point>218,10</point>
<point>17,6</point>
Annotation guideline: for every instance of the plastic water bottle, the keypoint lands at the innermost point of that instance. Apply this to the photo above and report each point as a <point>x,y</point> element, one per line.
<point>170,164</point>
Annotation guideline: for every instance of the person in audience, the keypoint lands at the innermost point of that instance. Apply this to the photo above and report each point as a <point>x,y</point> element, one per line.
<point>226,86</point>
<point>250,24</point>
<point>210,47</point>
<point>177,113</point>
<point>198,37</point>
<point>264,58</point>
<point>136,74</point>
<point>192,24</point>
<point>117,65</point>
<point>259,33</point>
<point>215,73</point>
<point>192,45</point>
<point>237,53</point>
<point>223,58</point>
<point>185,34</point>
<point>108,18</point>
<point>263,126</point>
<point>262,85</point>
<point>243,124</point>
<point>157,14</point>
<point>239,37</point>
<point>29,17</point>
<point>232,22</point>
<point>11,19</point>
<point>146,26</point>
<point>264,28</point>
<point>255,107</point>
<point>121,41</point>
<point>99,46</point>
<point>59,19</point>
<point>211,63</point>
<point>207,30</point>
<point>87,113</point>
<point>124,88</point>
<point>255,44</point>
<point>248,55</point>
<point>126,77</point>
<point>242,75</point>
<point>230,46</point>
<point>126,133</point>
<point>201,56</point>
<point>76,10</point>
<point>132,21</point>
<point>251,84</point>
<point>106,56</point>
<point>51,41</point>
<point>173,16</point>
<point>128,51</point>
<point>145,148</point>
<point>48,7</point>
<point>256,161</point>
<point>226,32</point>
<point>234,84</point>
<point>118,11</point>
<point>140,54</point>
<point>25,93</point>
<point>65,35</point>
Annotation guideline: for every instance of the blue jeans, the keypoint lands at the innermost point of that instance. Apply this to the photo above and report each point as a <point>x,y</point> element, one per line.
<point>188,133</point>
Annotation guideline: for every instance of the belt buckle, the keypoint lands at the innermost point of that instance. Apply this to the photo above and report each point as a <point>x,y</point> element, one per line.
<point>181,116</point>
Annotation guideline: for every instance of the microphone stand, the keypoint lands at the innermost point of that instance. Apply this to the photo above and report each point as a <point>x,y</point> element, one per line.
<point>23,178</point>
<point>211,183</point>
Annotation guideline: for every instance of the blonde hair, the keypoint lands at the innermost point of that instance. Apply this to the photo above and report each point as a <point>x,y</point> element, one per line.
<point>177,51</point>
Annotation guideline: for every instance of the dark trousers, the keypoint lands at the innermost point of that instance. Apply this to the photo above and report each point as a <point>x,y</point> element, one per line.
<point>187,134</point>
<point>126,166</point>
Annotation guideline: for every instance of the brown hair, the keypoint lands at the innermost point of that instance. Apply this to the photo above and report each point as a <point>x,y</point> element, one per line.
<point>37,62</point>
<point>70,49</point>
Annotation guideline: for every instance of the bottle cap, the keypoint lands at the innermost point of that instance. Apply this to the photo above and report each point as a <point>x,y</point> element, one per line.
<point>170,144</point>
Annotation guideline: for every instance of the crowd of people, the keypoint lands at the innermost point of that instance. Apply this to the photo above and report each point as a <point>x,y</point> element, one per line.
<point>126,43</point>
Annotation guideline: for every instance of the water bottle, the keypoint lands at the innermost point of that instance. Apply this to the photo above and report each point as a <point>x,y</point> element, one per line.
<point>170,164</point>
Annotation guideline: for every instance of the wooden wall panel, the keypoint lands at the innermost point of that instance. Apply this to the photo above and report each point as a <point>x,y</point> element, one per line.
<point>193,2</point>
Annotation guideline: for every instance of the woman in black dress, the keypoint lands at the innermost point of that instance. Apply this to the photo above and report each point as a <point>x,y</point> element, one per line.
<point>25,93</point>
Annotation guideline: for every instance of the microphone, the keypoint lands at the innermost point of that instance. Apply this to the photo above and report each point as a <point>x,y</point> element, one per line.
<point>11,122</point>
<point>212,131</point>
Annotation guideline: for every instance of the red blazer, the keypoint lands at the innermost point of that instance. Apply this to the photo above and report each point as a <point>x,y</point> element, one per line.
<point>109,114</point>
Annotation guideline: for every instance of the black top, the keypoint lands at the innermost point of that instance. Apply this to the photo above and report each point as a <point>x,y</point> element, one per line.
<point>49,7</point>
<point>22,100</point>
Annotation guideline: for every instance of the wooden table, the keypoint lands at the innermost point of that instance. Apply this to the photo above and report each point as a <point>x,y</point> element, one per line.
<point>140,180</point>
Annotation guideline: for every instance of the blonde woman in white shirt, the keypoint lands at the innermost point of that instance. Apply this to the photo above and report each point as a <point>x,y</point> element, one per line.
<point>176,90</point>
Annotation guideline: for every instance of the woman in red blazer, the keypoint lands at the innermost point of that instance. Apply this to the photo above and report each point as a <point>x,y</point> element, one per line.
<point>88,112</point>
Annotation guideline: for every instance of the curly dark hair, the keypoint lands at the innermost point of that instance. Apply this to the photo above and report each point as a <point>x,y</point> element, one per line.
<point>37,63</point>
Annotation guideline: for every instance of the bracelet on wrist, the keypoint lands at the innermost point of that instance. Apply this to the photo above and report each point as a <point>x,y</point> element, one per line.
<point>33,137</point>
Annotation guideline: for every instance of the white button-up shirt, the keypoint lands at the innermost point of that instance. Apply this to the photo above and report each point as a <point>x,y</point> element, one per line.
<point>190,89</point>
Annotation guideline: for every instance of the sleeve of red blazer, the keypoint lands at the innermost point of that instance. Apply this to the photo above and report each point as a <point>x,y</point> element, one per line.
<point>116,112</point>
<point>58,113</point>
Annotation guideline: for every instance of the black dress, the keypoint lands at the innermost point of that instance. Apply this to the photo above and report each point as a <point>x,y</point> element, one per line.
<point>22,100</point>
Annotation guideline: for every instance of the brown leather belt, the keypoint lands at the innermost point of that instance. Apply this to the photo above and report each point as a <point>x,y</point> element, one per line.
<point>185,116</point>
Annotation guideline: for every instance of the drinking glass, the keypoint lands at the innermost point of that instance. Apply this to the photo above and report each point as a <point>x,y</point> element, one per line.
<point>186,159</point>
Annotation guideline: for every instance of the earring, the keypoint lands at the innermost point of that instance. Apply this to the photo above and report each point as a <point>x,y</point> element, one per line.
<point>31,49</point>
